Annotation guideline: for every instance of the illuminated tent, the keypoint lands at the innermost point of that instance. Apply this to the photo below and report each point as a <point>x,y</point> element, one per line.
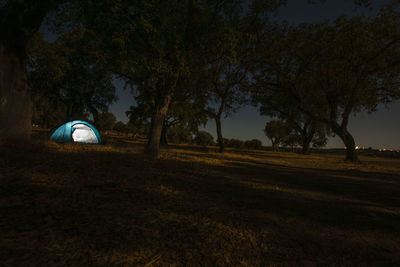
<point>76,132</point>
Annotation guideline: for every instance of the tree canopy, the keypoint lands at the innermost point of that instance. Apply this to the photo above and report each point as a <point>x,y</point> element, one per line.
<point>329,71</point>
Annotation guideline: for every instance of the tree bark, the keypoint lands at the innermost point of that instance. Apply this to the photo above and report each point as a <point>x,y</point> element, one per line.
<point>15,104</point>
<point>306,140</point>
<point>153,147</point>
<point>219,135</point>
<point>349,142</point>
<point>149,132</point>
<point>95,115</point>
<point>157,121</point>
<point>164,140</point>
<point>274,145</point>
<point>305,147</point>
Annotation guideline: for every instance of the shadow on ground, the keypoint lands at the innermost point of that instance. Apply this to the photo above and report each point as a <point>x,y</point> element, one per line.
<point>117,208</point>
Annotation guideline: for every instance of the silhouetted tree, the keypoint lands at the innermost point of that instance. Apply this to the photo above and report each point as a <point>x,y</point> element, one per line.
<point>253,144</point>
<point>235,143</point>
<point>121,127</point>
<point>333,70</point>
<point>106,121</point>
<point>230,58</point>
<point>66,73</point>
<point>19,21</point>
<point>182,112</point>
<point>179,134</point>
<point>204,138</point>
<point>150,45</point>
<point>277,131</point>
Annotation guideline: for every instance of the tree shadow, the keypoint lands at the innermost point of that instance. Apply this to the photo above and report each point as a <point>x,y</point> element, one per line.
<point>91,205</point>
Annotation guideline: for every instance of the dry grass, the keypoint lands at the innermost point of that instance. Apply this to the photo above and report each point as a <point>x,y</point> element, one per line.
<point>109,205</point>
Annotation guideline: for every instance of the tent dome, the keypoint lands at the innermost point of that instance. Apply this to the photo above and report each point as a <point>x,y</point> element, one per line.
<point>76,132</point>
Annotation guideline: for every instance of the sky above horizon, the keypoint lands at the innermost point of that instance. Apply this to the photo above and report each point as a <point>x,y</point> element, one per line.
<point>378,130</point>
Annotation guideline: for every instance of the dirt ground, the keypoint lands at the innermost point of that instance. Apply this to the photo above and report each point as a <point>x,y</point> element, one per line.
<point>110,206</point>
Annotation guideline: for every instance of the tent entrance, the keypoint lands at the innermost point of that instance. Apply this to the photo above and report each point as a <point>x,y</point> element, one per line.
<point>83,134</point>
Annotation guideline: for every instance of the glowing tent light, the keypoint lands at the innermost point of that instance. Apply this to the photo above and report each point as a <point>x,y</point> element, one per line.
<point>76,132</point>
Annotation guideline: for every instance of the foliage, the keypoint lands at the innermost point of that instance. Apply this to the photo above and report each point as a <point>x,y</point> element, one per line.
<point>149,44</point>
<point>183,112</point>
<point>329,71</point>
<point>253,144</point>
<point>106,121</point>
<point>204,138</point>
<point>121,127</point>
<point>277,131</point>
<point>179,135</point>
<point>19,22</point>
<point>235,143</point>
<point>65,74</point>
<point>47,113</point>
<point>229,59</point>
<point>292,140</point>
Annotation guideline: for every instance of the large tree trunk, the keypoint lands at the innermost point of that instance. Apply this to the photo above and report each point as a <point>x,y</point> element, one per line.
<point>158,119</point>
<point>275,145</point>
<point>95,115</point>
<point>220,139</point>
<point>153,147</point>
<point>15,104</point>
<point>348,141</point>
<point>306,140</point>
<point>164,140</point>
<point>305,147</point>
<point>149,133</point>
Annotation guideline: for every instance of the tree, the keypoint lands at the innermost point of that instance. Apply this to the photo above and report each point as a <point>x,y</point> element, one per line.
<point>277,131</point>
<point>67,73</point>
<point>253,144</point>
<point>183,112</point>
<point>304,130</point>
<point>292,141</point>
<point>226,95</point>
<point>333,70</point>
<point>106,121</point>
<point>19,21</point>
<point>179,134</point>
<point>229,60</point>
<point>136,130</point>
<point>121,127</point>
<point>204,138</point>
<point>235,143</point>
<point>149,44</point>
<point>306,133</point>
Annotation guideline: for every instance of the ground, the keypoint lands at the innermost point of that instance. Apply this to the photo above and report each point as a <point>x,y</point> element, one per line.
<point>109,205</point>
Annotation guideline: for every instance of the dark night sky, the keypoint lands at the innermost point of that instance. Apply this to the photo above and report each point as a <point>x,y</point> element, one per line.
<point>378,130</point>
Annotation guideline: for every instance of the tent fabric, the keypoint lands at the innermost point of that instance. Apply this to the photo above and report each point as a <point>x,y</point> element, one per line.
<point>76,132</point>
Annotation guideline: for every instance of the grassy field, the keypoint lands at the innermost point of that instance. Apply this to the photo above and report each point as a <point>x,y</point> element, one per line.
<point>108,205</point>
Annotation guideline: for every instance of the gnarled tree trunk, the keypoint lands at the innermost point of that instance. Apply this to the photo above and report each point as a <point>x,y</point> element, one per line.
<point>159,114</point>
<point>153,147</point>
<point>275,145</point>
<point>164,139</point>
<point>348,141</point>
<point>220,139</point>
<point>15,104</point>
<point>306,141</point>
<point>305,147</point>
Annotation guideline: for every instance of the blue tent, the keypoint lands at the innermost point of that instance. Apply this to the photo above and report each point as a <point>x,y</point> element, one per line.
<point>76,132</point>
